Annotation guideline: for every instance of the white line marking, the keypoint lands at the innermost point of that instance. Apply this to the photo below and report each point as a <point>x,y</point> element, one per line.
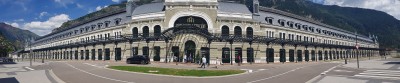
<point>323,73</point>
<point>381,77</point>
<point>29,68</point>
<point>390,75</point>
<point>382,71</point>
<point>276,75</point>
<point>98,75</point>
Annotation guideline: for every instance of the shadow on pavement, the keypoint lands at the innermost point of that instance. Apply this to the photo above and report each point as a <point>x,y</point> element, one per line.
<point>8,63</point>
<point>392,63</point>
<point>9,80</point>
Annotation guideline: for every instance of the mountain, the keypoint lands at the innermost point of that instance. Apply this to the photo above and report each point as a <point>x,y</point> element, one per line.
<point>15,35</point>
<point>364,21</point>
<point>5,46</point>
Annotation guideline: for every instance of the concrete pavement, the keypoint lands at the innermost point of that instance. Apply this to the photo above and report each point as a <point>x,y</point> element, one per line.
<point>370,71</point>
<point>21,72</point>
<point>95,71</point>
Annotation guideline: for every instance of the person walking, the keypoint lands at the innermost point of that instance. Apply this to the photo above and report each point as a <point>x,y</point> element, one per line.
<point>217,63</point>
<point>203,65</point>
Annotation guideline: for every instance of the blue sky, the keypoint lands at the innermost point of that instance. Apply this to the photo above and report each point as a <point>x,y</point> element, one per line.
<point>41,16</point>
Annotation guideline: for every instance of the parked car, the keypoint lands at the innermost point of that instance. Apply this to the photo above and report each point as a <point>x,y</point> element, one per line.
<point>138,59</point>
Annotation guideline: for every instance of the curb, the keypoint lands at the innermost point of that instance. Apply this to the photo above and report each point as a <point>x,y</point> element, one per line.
<point>58,80</point>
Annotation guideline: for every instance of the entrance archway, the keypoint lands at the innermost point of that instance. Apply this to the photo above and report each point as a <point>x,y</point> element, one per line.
<point>190,50</point>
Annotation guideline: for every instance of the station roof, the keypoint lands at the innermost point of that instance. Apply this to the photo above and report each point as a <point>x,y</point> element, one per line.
<point>148,8</point>
<point>233,8</point>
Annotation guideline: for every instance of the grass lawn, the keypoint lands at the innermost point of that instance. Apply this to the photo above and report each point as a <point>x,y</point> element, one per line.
<point>177,72</point>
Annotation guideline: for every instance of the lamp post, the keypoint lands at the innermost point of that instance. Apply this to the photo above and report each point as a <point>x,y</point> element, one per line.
<point>358,63</point>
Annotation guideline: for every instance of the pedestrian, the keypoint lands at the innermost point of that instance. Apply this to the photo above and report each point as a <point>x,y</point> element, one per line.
<point>217,63</point>
<point>240,61</point>
<point>203,65</point>
<point>184,59</point>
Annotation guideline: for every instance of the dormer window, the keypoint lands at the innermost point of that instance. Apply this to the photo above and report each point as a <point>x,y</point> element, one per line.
<point>82,30</point>
<point>99,25</point>
<point>87,28</point>
<point>297,25</point>
<point>290,23</point>
<point>76,31</point>
<point>305,27</point>
<point>318,30</point>
<point>93,27</point>
<point>311,28</point>
<point>117,21</point>
<point>282,22</point>
<point>269,20</point>
<point>106,24</point>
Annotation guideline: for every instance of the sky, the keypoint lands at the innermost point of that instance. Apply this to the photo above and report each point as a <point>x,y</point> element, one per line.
<point>41,16</point>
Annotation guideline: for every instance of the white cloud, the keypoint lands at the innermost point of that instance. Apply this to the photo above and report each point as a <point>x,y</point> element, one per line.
<point>42,14</point>
<point>79,5</point>
<point>116,1</point>
<point>391,7</point>
<point>99,8</point>
<point>45,27</point>
<point>64,3</point>
<point>14,24</point>
<point>19,20</point>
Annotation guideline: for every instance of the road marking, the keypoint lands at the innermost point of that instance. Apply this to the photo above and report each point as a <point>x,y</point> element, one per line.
<point>323,73</point>
<point>247,70</point>
<point>380,74</point>
<point>29,68</point>
<point>342,71</point>
<point>97,75</point>
<point>276,75</point>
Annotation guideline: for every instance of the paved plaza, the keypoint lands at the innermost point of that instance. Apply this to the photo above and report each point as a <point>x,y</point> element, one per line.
<point>376,70</point>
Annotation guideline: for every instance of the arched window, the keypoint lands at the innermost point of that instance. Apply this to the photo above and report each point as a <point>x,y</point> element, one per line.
<point>249,32</point>
<point>135,32</point>
<point>157,30</point>
<point>238,31</point>
<point>145,30</point>
<point>225,31</point>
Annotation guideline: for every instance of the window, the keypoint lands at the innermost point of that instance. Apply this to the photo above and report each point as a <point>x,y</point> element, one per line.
<point>281,22</point>
<point>99,25</point>
<point>145,30</point>
<point>249,32</point>
<point>93,27</point>
<point>87,28</point>
<point>157,30</point>
<point>290,23</point>
<point>81,30</point>
<point>106,24</point>
<point>238,31</point>
<point>117,21</point>
<point>135,32</point>
<point>305,27</point>
<point>298,25</point>
<point>225,31</point>
<point>269,20</point>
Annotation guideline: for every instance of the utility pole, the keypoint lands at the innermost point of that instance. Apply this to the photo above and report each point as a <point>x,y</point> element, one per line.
<point>30,51</point>
<point>358,63</point>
